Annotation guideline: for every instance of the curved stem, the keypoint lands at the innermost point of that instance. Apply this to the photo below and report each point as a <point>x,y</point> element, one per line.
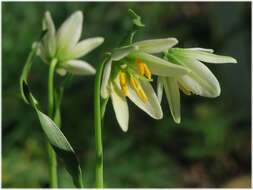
<point>97,126</point>
<point>51,152</point>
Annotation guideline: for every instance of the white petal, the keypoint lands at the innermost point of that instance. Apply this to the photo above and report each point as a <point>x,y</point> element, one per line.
<point>200,49</point>
<point>173,97</point>
<point>120,107</point>
<point>156,46</point>
<point>159,66</point>
<point>208,57</point>
<point>83,47</point>
<point>120,53</point>
<point>69,33</point>
<point>105,79</point>
<point>49,39</point>
<point>159,89</point>
<point>152,106</point>
<point>201,80</point>
<point>78,67</point>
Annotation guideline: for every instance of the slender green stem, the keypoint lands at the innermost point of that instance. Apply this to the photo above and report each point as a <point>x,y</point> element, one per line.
<point>51,88</point>
<point>97,126</point>
<point>51,152</point>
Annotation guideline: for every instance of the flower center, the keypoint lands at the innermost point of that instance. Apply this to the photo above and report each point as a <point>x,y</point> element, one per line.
<point>143,70</point>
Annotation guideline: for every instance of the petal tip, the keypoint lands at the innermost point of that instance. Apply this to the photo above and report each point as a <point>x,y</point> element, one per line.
<point>101,39</point>
<point>173,39</point>
<point>78,13</point>
<point>124,129</point>
<point>234,61</point>
<point>177,120</point>
<point>47,13</point>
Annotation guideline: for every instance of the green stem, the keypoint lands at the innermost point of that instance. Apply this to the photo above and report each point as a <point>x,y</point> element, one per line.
<point>51,152</point>
<point>97,126</point>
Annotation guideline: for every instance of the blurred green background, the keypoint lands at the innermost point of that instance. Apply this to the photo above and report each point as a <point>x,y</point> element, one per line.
<point>210,148</point>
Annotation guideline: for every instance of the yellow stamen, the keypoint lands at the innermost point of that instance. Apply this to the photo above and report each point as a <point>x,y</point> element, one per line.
<point>138,89</point>
<point>147,73</point>
<point>140,66</point>
<point>122,81</point>
<point>142,95</point>
<point>143,68</point>
<point>134,83</point>
<point>124,90</point>
<point>184,90</point>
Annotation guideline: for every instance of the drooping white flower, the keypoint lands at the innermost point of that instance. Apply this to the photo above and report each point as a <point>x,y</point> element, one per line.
<point>63,45</point>
<point>128,73</point>
<point>200,81</point>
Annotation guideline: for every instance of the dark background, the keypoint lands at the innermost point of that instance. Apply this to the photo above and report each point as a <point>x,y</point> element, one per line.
<point>210,148</point>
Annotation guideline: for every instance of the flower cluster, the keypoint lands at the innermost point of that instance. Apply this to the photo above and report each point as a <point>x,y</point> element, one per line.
<point>128,73</point>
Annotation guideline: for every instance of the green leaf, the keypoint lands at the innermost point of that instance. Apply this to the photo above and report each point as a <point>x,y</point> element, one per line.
<point>61,146</point>
<point>57,139</point>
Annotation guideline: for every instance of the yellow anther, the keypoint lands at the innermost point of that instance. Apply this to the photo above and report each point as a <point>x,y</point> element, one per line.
<point>140,66</point>
<point>147,73</point>
<point>143,68</point>
<point>122,79</point>
<point>124,90</point>
<point>142,95</point>
<point>134,83</point>
<point>184,90</point>
<point>138,89</point>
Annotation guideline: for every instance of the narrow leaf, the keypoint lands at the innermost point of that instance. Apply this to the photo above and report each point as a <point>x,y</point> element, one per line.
<point>61,147</point>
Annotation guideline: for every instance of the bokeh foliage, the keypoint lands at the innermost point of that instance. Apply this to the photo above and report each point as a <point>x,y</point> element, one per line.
<point>211,146</point>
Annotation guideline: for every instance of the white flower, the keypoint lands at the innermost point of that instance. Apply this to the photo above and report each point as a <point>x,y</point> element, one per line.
<point>128,73</point>
<point>200,81</point>
<point>63,45</point>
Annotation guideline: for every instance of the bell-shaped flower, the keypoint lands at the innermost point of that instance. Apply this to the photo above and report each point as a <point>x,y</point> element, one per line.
<point>63,45</point>
<point>200,81</point>
<point>128,73</point>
